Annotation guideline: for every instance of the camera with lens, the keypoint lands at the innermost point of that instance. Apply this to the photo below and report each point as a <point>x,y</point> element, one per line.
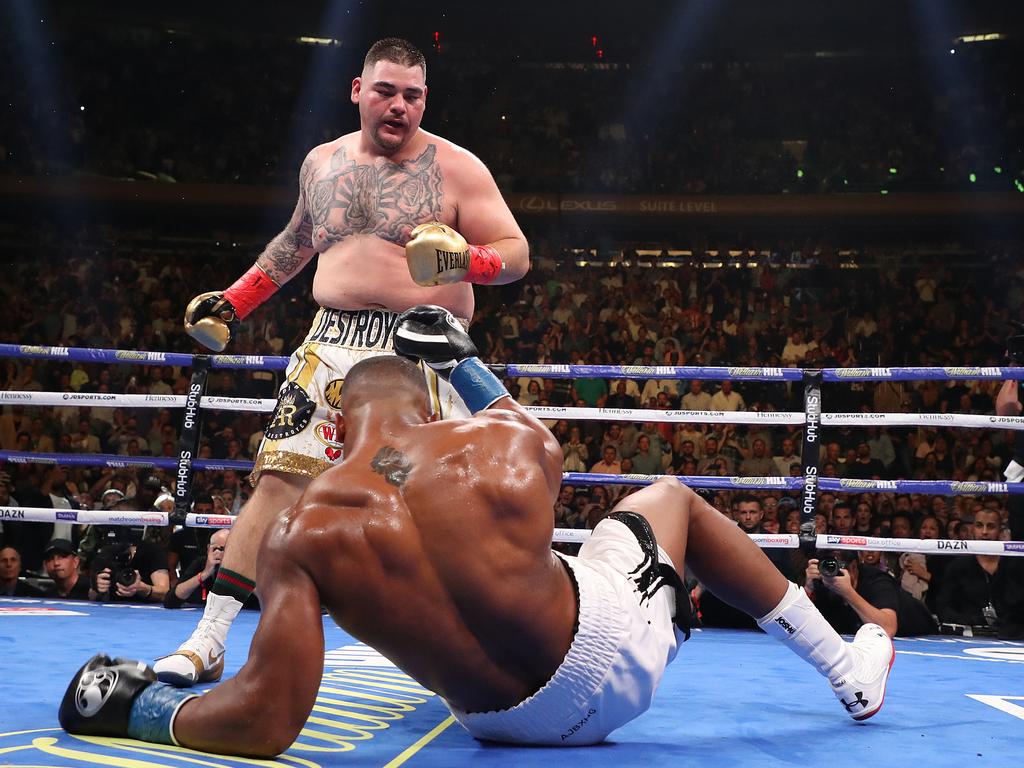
<point>115,553</point>
<point>830,566</point>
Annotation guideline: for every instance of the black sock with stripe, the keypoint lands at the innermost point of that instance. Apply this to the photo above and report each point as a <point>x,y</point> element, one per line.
<point>232,584</point>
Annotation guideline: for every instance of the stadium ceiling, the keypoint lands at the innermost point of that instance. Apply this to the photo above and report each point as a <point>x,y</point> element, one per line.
<point>540,28</point>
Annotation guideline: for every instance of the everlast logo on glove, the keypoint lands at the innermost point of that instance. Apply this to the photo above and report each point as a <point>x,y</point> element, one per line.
<point>452,260</point>
<point>292,414</point>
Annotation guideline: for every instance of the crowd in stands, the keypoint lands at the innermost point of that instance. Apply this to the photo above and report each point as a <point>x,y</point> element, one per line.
<point>796,123</point>
<point>764,123</point>
<point>770,316</point>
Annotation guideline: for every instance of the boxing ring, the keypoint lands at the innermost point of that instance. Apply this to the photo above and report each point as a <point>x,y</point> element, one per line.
<point>731,697</point>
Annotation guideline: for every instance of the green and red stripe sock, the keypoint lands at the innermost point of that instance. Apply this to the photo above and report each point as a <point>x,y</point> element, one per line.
<point>232,584</point>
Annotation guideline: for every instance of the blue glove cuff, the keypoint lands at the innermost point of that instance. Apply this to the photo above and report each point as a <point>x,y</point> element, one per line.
<point>153,711</point>
<point>476,385</point>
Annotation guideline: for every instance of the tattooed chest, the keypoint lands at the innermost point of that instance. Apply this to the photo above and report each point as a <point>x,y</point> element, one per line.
<point>383,198</point>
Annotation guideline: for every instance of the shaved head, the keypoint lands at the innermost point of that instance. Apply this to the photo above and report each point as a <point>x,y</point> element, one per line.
<point>383,377</point>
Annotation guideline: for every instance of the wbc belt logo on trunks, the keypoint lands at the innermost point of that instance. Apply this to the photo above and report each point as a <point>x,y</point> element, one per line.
<point>365,329</point>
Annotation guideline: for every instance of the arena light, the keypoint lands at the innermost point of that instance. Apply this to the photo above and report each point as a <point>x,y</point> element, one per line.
<point>982,38</point>
<point>305,40</point>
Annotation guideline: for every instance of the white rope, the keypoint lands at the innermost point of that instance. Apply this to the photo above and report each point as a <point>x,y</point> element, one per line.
<point>265,405</point>
<point>657,415</point>
<point>924,546</point>
<point>829,541</point>
<point>561,535</point>
<point>134,401</point>
<point>923,420</point>
<point>81,516</point>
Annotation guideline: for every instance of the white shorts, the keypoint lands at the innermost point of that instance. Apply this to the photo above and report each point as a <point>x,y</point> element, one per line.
<point>300,436</point>
<point>626,638</point>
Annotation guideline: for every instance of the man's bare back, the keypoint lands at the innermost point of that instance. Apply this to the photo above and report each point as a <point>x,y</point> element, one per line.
<point>447,566</point>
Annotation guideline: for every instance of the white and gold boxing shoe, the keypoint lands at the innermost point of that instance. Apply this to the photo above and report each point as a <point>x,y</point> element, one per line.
<point>200,659</point>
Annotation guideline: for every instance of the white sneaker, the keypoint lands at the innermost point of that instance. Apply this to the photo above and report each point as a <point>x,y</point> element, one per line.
<point>200,659</point>
<point>862,691</point>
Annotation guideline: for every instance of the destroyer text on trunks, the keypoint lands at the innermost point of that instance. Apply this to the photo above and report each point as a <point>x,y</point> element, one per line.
<point>368,328</point>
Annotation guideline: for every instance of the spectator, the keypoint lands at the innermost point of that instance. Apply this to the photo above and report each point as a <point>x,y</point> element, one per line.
<point>609,463</point>
<point>119,560</point>
<point>696,399</point>
<point>60,558</point>
<point>758,463</point>
<point>647,460</point>
<point>921,575</point>
<point>714,459</point>
<point>195,582</point>
<point>10,571</point>
<point>726,399</point>
<point>575,452</point>
<point>786,459</point>
<point>865,467</point>
<point>187,544</point>
<point>984,590</point>
<point>842,519</point>
<point>860,594</point>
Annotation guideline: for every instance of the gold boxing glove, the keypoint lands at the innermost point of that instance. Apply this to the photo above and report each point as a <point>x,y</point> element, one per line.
<point>437,255</point>
<point>210,319</point>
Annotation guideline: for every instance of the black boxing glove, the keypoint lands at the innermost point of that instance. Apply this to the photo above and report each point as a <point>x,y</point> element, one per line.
<point>433,334</point>
<point>120,697</point>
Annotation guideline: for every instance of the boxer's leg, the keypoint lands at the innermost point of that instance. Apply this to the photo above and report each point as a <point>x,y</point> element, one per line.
<point>201,657</point>
<point>738,572</point>
<point>720,554</point>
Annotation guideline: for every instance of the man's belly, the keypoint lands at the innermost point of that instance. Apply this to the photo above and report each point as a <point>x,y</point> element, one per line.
<point>365,272</point>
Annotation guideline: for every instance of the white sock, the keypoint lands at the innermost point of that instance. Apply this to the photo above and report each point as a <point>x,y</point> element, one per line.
<point>799,625</point>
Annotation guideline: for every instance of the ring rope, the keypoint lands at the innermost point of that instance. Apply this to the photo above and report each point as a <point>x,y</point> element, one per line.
<point>266,405</point>
<point>117,461</point>
<point>711,482</point>
<point>736,373</point>
<point>562,535</point>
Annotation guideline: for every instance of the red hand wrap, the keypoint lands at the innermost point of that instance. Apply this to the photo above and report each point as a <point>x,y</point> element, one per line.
<point>484,265</point>
<point>250,290</point>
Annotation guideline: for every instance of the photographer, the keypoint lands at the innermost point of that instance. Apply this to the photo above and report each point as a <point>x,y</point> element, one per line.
<point>197,579</point>
<point>850,594</point>
<point>129,569</point>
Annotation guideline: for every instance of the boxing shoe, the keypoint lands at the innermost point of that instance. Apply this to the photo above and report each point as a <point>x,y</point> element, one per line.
<point>862,689</point>
<point>200,659</point>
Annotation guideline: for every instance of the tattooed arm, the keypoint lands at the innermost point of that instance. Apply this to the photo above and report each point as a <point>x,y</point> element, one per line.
<point>286,255</point>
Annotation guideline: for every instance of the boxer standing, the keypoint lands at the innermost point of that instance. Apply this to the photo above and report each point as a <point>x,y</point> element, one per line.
<point>431,542</point>
<point>389,209</point>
